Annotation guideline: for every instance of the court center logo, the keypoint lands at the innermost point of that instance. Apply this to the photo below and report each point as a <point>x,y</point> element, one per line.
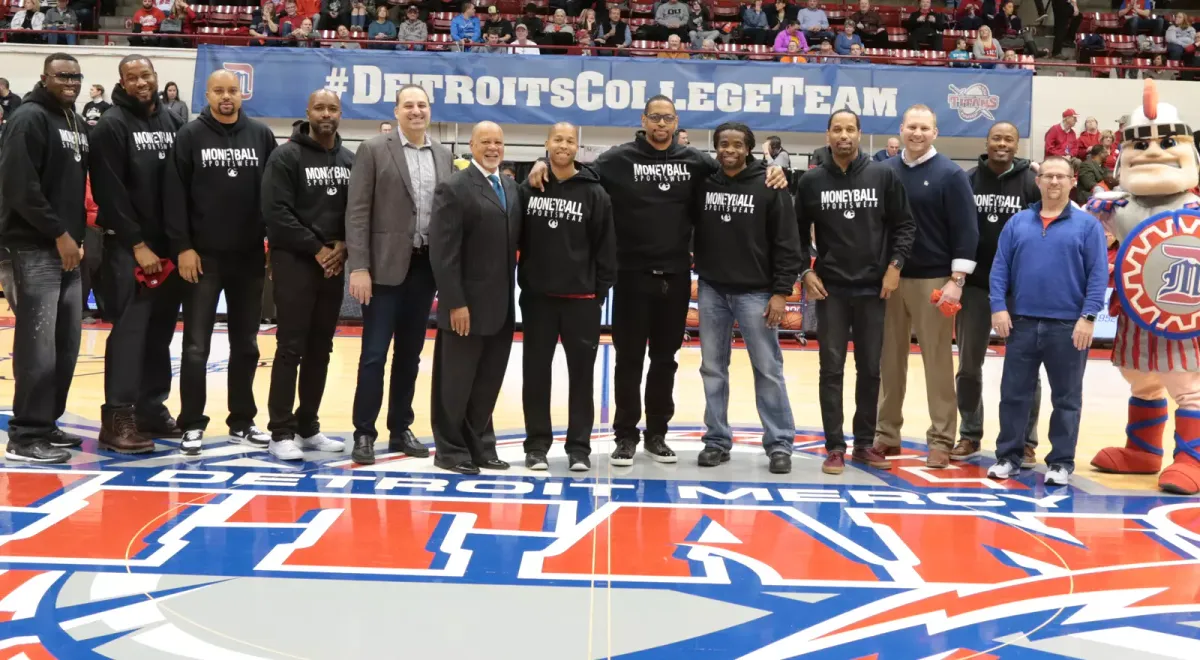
<point>245,75</point>
<point>1158,274</point>
<point>975,101</point>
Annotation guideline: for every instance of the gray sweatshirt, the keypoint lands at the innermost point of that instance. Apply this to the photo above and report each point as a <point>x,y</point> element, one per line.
<point>672,11</point>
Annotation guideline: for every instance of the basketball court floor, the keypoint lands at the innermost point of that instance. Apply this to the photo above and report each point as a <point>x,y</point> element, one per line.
<point>236,555</point>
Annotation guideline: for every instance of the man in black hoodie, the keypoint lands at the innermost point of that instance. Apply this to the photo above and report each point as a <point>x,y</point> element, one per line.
<point>43,178</point>
<point>130,146</point>
<point>304,204</point>
<point>864,232</point>
<point>1003,185</point>
<point>747,256</point>
<point>653,182</point>
<point>568,263</point>
<point>214,223</point>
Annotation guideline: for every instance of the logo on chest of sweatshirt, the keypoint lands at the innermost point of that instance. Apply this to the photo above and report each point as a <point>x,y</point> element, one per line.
<point>332,178</point>
<point>729,204</point>
<point>554,210</point>
<point>993,207</point>
<point>160,141</point>
<point>231,159</point>
<point>663,174</point>
<point>849,200</point>
<point>74,142</point>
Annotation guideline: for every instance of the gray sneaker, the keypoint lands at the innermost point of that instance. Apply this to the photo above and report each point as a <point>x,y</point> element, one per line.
<point>1057,475</point>
<point>1003,470</point>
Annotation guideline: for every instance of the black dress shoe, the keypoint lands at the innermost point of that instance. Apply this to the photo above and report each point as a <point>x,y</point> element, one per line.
<point>712,457</point>
<point>364,450</point>
<point>493,464</point>
<point>465,467</point>
<point>781,463</point>
<point>159,428</point>
<point>408,444</point>
<point>63,440</point>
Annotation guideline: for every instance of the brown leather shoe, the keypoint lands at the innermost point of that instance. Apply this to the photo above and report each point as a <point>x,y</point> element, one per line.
<point>938,458</point>
<point>118,432</point>
<point>964,449</point>
<point>871,456</point>
<point>1030,458</point>
<point>885,450</point>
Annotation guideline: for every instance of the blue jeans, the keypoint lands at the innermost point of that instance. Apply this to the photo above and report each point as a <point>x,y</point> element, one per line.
<point>1035,343</point>
<point>45,342</point>
<point>718,311</point>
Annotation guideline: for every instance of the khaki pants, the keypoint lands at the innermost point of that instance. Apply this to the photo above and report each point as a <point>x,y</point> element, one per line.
<point>909,312</point>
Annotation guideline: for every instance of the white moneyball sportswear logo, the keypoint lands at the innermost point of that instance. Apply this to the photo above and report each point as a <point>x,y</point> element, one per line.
<point>555,210</point>
<point>973,102</point>
<point>662,174</point>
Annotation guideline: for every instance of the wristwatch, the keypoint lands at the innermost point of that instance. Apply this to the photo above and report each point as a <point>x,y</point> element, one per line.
<point>960,280</point>
<point>1090,318</point>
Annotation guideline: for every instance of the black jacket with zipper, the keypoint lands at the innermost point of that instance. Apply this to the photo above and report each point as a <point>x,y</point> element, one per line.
<point>997,199</point>
<point>568,245</point>
<point>43,173</point>
<point>862,220</point>
<point>214,185</point>
<point>304,193</point>
<point>130,148</point>
<point>746,235</point>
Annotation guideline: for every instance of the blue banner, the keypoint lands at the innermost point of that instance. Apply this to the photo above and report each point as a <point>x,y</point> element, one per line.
<point>612,91</point>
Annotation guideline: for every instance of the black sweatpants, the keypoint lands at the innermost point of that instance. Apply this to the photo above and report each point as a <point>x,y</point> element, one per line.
<point>648,309</point>
<point>839,319</point>
<point>546,320</point>
<point>137,355</point>
<point>308,305</point>
<point>240,276</point>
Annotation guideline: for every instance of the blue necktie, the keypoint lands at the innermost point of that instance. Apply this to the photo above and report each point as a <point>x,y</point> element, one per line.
<point>499,189</point>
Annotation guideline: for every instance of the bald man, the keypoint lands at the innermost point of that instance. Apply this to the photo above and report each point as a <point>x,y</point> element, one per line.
<point>473,234</point>
<point>215,227</point>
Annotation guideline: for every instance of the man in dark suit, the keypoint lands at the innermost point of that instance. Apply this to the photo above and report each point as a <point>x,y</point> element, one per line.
<point>387,236</point>
<point>472,247</point>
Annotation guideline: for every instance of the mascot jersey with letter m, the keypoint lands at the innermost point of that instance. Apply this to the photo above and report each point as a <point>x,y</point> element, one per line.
<point>1156,279</point>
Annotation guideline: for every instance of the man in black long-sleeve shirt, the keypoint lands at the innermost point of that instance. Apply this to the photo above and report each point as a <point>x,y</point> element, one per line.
<point>130,146</point>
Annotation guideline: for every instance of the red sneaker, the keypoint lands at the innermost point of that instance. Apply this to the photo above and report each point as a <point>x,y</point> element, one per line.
<point>835,462</point>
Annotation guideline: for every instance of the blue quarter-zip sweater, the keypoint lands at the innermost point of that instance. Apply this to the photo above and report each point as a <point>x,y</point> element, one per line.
<point>1057,272</point>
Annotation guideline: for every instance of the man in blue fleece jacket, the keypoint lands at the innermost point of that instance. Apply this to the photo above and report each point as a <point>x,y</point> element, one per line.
<point>943,254</point>
<point>1047,286</point>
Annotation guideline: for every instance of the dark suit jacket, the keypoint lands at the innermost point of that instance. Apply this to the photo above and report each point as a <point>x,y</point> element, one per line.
<point>473,249</point>
<point>381,214</point>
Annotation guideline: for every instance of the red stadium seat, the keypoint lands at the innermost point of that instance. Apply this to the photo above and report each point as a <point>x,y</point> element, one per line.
<point>1102,62</point>
<point>897,35</point>
<point>439,21</point>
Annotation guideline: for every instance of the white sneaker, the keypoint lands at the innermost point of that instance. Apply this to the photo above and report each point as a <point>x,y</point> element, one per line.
<point>251,435</point>
<point>191,442</point>
<point>1057,475</point>
<point>1003,470</point>
<point>319,442</point>
<point>286,450</point>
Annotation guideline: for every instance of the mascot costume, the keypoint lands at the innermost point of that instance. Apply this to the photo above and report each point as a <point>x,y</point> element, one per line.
<point>1156,281</point>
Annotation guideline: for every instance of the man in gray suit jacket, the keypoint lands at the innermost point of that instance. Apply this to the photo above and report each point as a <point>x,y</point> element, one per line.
<point>473,248</point>
<point>387,237</point>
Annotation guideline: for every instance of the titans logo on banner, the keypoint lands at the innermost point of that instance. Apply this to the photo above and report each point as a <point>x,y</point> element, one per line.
<point>1158,274</point>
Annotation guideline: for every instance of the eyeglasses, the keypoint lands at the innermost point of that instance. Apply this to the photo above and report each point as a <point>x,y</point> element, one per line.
<point>660,119</point>
<point>1055,177</point>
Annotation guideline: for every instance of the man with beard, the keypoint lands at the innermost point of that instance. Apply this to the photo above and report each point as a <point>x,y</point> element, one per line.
<point>568,264</point>
<point>130,146</point>
<point>864,233</point>
<point>43,178</point>
<point>473,234</point>
<point>747,258</point>
<point>1004,185</point>
<point>214,223</point>
<point>304,204</point>
<point>653,182</point>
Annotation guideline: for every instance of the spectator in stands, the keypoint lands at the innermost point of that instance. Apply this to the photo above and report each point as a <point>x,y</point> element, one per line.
<point>987,49</point>
<point>830,56</point>
<point>1089,138</point>
<point>173,104</point>
<point>1067,18</point>
<point>412,30</point>
<point>891,149</point>
<point>782,14</point>
<point>490,45</point>
<point>559,32</point>
<point>95,107</point>
<point>465,30</point>
<point>775,154</point>
<point>856,52</point>
<point>1112,149</point>
<point>382,30</point>
<point>291,18</point>
<point>61,18</point>
<point>522,45</point>
<point>925,27</point>
<point>146,21</point>
<point>794,56</point>
<point>500,26</point>
<point>815,23</point>
<point>1061,138</point>
<point>846,39</point>
<point>532,21</point>
<point>756,28</point>
<point>309,9</point>
<point>1180,36</point>
<point>304,36</point>
<point>267,27</point>
<point>8,100</point>
<point>960,54</point>
<point>708,50</point>
<point>359,16</point>
<point>333,14</point>
<point>700,26</point>
<point>1139,17</point>
<point>1006,27</point>
<point>613,32</point>
<point>674,49</point>
<point>178,21</point>
<point>343,40</point>
<point>586,22</point>
<point>1091,172</point>
<point>969,20</point>
<point>1010,61</point>
<point>869,25</point>
<point>789,34</point>
<point>29,18</point>
<point>672,17</point>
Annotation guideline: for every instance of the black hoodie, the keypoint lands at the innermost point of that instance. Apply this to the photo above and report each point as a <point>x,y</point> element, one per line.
<point>998,198</point>
<point>130,147</point>
<point>653,193</point>
<point>304,193</point>
<point>746,238</point>
<point>862,221</point>
<point>214,185</point>
<point>43,173</point>
<point>568,247</point>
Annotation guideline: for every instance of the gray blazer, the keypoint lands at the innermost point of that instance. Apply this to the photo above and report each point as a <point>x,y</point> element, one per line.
<point>381,215</point>
<point>473,249</point>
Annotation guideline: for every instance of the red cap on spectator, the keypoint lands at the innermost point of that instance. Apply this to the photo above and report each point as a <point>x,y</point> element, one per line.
<point>1069,113</point>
